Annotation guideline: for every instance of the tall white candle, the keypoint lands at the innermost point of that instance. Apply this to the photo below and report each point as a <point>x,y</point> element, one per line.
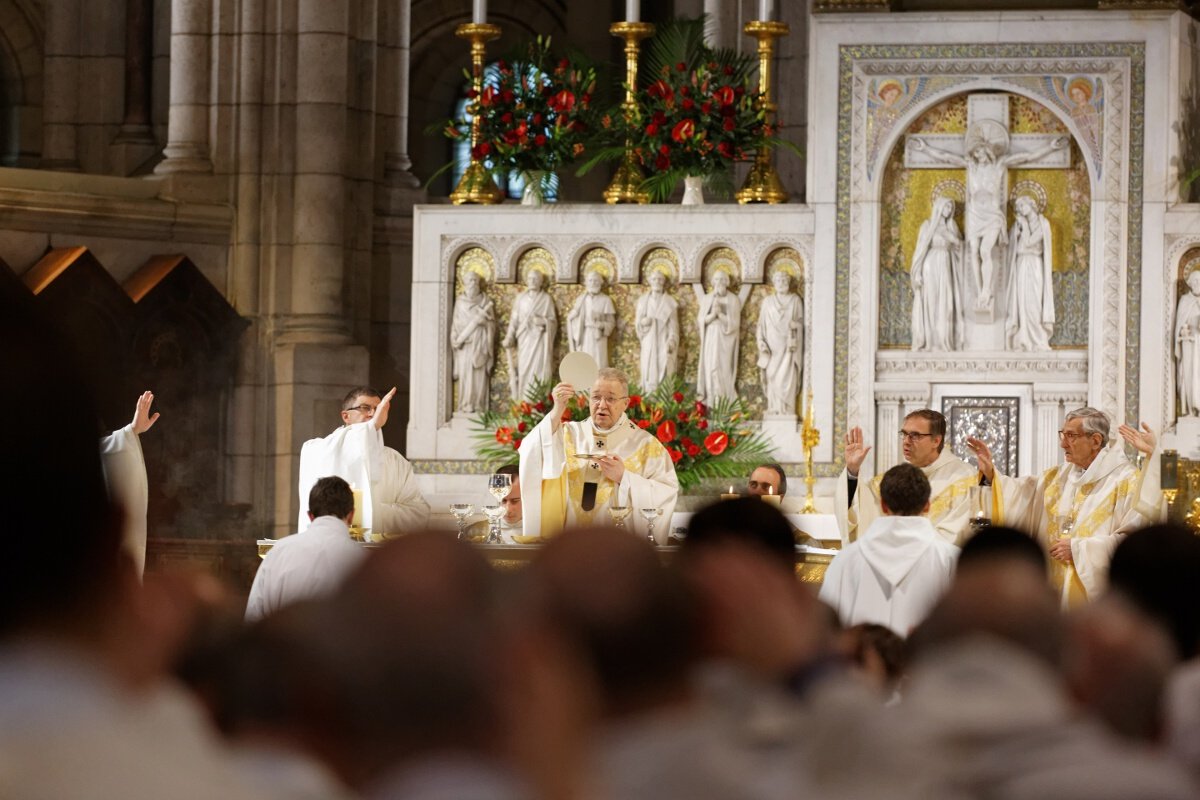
<point>633,11</point>
<point>479,11</point>
<point>766,10</point>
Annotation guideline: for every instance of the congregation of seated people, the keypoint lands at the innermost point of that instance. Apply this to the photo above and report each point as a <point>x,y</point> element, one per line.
<point>597,671</point>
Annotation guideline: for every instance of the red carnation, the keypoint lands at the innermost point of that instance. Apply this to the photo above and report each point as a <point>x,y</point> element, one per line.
<point>643,423</point>
<point>716,443</point>
<point>666,431</point>
<point>539,406</point>
<point>701,409</point>
<point>682,415</point>
<point>651,129</point>
<point>728,124</point>
<point>705,107</point>
<point>677,397</point>
<point>686,442</point>
<point>693,450</point>
<point>635,400</point>
<point>681,67</point>
<point>689,104</point>
<point>665,149</point>
<point>540,139</point>
<point>702,424</point>
<point>481,150</point>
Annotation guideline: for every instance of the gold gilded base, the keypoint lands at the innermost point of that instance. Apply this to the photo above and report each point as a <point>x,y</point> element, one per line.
<point>762,185</point>
<point>626,184</point>
<point>476,186</point>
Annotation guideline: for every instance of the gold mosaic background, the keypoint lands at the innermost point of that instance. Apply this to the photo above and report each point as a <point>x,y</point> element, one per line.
<point>906,200</point>
<point>624,346</point>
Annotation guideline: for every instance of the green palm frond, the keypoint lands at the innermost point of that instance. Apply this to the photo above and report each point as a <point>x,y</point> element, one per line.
<point>675,41</point>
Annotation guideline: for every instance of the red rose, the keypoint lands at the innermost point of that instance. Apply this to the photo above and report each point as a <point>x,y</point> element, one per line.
<point>662,163</point>
<point>689,104</point>
<point>507,95</point>
<point>651,129</point>
<point>506,117</point>
<point>728,70</point>
<point>693,450</point>
<point>517,444</point>
<point>675,455</point>
<point>537,119</point>
<point>665,149</point>
<point>682,415</point>
<point>686,442</point>
<point>481,150</point>
<point>666,431</point>
<point>701,409</point>
<point>635,400</point>
<point>540,139</point>
<point>681,67</point>
<point>677,397</point>
<point>522,426</point>
<point>504,435</point>
<point>540,407</point>
<point>684,91</point>
<point>684,129</point>
<point>702,424</point>
<point>716,443</point>
<point>643,423</point>
<point>724,96</point>
<point>725,149</point>
<point>728,124</point>
<point>705,108</point>
<point>659,118</point>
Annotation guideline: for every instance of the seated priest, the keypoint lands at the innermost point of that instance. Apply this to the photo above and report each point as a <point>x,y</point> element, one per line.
<point>922,439</point>
<point>572,473</point>
<point>355,452</point>
<point>897,570</point>
<point>1080,511</point>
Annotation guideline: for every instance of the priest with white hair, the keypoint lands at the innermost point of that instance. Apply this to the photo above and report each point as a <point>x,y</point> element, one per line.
<point>572,473</point>
<point>1080,510</point>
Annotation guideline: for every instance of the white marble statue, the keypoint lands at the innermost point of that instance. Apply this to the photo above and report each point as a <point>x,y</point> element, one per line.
<point>1030,321</point>
<point>937,284</point>
<point>1187,354</point>
<point>987,163</point>
<point>720,318</point>
<point>657,324</point>
<point>781,345</point>
<point>592,319</point>
<point>532,329</point>
<point>473,339</point>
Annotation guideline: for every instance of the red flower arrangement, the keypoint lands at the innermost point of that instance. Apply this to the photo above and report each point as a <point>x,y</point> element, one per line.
<point>731,449</point>
<point>535,112</point>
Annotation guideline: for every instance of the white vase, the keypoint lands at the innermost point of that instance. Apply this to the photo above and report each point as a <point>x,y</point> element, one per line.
<point>693,190</point>
<point>535,184</point>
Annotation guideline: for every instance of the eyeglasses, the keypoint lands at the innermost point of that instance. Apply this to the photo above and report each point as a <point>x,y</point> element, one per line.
<point>609,401</point>
<point>913,436</point>
<point>363,409</point>
<point>1071,436</point>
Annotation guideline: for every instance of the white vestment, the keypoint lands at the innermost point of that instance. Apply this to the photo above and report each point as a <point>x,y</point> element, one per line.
<point>950,479</point>
<point>391,504</point>
<point>892,576</point>
<point>552,477</point>
<point>125,475</point>
<point>1094,507</point>
<point>307,564</point>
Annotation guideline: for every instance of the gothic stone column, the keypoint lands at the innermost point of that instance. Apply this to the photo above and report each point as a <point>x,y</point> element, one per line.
<point>187,122</point>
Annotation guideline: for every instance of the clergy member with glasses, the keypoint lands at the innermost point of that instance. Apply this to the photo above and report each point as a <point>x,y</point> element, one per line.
<point>355,452</point>
<point>572,473</point>
<point>1080,510</point>
<point>922,439</point>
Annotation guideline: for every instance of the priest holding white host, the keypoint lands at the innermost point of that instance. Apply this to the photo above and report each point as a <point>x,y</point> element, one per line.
<point>1079,511</point>
<point>572,473</point>
<point>355,452</point>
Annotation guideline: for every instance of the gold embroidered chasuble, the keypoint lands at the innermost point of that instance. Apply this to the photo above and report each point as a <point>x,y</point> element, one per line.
<point>1093,507</point>
<point>950,479</point>
<point>553,473</point>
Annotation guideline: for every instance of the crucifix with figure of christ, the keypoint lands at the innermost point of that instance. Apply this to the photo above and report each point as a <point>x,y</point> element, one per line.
<point>987,151</point>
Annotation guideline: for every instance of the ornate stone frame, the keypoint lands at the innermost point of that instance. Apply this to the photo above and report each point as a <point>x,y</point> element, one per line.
<point>1116,269</point>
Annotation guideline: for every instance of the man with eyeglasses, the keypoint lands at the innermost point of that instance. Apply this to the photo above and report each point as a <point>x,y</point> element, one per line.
<point>922,439</point>
<point>355,452</point>
<point>1080,511</point>
<point>572,473</point>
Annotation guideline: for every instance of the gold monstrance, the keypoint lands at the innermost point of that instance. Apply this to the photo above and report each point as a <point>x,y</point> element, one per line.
<point>810,437</point>
<point>476,184</point>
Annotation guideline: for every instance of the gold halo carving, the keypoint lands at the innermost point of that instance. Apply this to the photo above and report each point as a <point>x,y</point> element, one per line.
<point>660,259</point>
<point>723,259</point>
<point>536,259</point>
<point>478,261</point>
<point>600,261</point>
<point>1031,189</point>
<point>951,188</point>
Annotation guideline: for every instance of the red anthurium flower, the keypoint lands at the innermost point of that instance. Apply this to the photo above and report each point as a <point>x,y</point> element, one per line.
<point>488,97</point>
<point>666,431</point>
<point>716,443</point>
<point>563,101</point>
<point>684,129</point>
<point>677,397</point>
<point>675,455</point>
<point>724,96</point>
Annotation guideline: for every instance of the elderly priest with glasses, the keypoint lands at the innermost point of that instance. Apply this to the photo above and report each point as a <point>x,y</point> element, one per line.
<point>923,439</point>
<point>572,473</point>
<point>1080,510</point>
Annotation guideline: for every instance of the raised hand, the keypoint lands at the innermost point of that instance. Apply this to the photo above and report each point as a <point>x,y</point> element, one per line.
<point>1143,441</point>
<point>142,419</point>
<point>983,455</point>
<point>856,451</point>
<point>381,411</point>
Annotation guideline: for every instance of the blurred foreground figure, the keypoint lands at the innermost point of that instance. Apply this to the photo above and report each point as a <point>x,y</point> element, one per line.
<point>987,693</point>
<point>85,712</point>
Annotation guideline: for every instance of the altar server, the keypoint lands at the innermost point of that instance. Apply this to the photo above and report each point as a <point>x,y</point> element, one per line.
<point>1080,511</point>
<point>355,452</point>
<point>572,473</point>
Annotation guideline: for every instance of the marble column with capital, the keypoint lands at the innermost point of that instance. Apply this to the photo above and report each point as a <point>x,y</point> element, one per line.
<point>1048,418</point>
<point>187,147</point>
<point>887,442</point>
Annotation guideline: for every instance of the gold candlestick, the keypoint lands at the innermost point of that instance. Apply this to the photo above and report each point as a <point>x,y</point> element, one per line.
<point>626,185</point>
<point>810,437</point>
<point>476,184</point>
<point>763,184</point>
